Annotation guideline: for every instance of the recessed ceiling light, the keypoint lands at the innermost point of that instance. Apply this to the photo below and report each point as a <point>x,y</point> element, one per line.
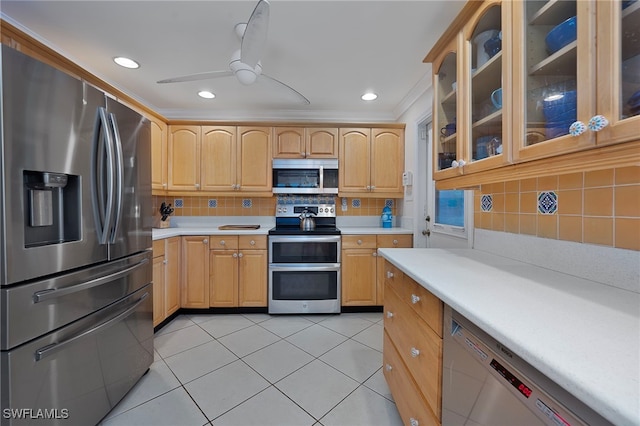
<point>370,96</point>
<point>126,62</point>
<point>206,94</point>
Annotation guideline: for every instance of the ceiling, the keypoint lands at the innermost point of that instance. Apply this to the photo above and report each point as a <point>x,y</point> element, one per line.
<point>330,51</point>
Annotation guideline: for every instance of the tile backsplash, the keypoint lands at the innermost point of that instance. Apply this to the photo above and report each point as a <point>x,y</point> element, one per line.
<point>598,207</point>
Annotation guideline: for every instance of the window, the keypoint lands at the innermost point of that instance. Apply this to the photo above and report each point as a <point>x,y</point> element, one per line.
<point>450,208</point>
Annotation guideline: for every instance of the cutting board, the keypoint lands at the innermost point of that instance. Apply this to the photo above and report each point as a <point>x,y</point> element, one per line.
<point>229,227</point>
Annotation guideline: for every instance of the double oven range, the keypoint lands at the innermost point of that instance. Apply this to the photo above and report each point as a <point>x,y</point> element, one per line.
<point>304,266</point>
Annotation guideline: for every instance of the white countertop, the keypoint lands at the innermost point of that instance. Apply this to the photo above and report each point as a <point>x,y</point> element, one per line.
<point>582,334</point>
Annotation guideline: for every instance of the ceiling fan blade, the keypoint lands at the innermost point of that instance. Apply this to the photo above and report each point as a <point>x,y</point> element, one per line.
<point>195,77</point>
<point>254,39</point>
<point>291,89</point>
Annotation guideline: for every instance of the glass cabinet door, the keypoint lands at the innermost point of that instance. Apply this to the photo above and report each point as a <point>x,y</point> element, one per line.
<point>485,63</point>
<point>446,133</point>
<point>555,75</point>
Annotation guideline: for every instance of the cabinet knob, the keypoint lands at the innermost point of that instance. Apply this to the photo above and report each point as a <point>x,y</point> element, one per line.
<point>373,187</point>
<point>388,367</point>
<point>234,255</point>
<point>222,242</point>
<point>415,352</point>
<point>252,242</point>
<point>415,299</point>
<point>240,255</point>
<point>374,254</point>
<point>395,242</point>
<point>577,128</point>
<point>597,123</point>
<point>389,314</point>
<point>368,187</point>
<point>165,262</point>
<point>389,274</point>
<point>359,242</point>
<point>414,422</point>
<point>197,185</point>
<point>205,241</point>
<point>164,185</point>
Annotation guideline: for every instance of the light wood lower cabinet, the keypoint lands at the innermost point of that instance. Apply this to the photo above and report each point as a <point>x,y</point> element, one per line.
<point>195,272</point>
<point>238,271</point>
<point>413,346</point>
<point>362,270</point>
<point>166,276</point>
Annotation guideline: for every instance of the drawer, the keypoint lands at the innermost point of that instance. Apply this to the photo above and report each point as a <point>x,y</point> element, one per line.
<point>358,241</point>
<point>395,241</point>
<point>223,242</point>
<point>411,405</point>
<point>252,242</point>
<point>158,248</point>
<point>423,302</point>
<point>418,345</point>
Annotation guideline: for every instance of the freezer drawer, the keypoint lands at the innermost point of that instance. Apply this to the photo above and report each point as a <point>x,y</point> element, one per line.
<point>80,372</point>
<point>34,309</point>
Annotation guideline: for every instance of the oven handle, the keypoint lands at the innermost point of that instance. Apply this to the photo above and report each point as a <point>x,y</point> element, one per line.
<point>307,267</point>
<point>304,238</point>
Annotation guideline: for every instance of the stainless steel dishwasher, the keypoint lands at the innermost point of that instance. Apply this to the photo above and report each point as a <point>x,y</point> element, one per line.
<point>484,383</point>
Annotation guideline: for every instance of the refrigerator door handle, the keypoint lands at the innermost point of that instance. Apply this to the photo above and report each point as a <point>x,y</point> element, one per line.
<point>102,211</point>
<point>55,347</point>
<point>43,295</point>
<point>119,171</point>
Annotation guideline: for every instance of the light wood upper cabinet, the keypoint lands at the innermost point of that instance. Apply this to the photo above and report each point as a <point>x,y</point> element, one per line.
<point>254,159</point>
<point>185,144</point>
<point>219,158</point>
<point>300,142</point>
<point>371,162</point>
<point>544,90</point>
<point>159,155</point>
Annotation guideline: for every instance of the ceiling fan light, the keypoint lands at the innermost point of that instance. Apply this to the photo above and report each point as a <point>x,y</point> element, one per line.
<point>246,76</point>
<point>369,96</point>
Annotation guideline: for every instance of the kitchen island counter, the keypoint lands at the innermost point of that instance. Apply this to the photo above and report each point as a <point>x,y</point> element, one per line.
<point>582,334</point>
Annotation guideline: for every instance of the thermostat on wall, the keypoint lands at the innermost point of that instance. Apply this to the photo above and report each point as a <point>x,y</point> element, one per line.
<point>407,179</point>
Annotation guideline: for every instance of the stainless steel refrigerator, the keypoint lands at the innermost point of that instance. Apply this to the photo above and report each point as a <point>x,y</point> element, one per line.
<point>75,247</point>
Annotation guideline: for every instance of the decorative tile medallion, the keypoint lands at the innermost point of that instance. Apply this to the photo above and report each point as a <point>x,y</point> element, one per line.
<point>355,203</point>
<point>246,203</point>
<point>212,204</point>
<point>547,202</point>
<point>178,203</point>
<point>486,203</point>
<point>388,203</point>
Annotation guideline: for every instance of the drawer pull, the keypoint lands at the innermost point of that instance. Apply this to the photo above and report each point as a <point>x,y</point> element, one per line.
<point>395,242</point>
<point>388,367</point>
<point>415,352</point>
<point>374,254</point>
<point>389,274</point>
<point>252,242</point>
<point>415,299</point>
<point>414,422</point>
<point>222,242</point>
<point>240,254</point>
<point>359,242</point>
<point>389,314</point>
<point>234,255</point>
<point>205,241</point>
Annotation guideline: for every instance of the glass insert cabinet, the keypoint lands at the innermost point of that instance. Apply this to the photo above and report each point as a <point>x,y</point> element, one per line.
<point>527,80</point>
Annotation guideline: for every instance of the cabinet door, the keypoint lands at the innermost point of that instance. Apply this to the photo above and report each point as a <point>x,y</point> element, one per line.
<point>223,278</point>
<point>358,277</point>
<point>288,142</point>
<point>354,165</point>
<point>254,159</point>
<point>218,163</point>
<point>553,85</point>
<point>158,290</point>
<point>195,272</point>
<point>252,278</point>
<point>184,158</point>
<point>172,276</point>
<point>388,241</point>
<point>158,155</point>
<point>321,142</point>
<point>387,161</point>
<point>618,82</point>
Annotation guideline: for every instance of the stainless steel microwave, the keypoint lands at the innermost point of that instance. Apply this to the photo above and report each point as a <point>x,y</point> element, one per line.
<point>305,176</point>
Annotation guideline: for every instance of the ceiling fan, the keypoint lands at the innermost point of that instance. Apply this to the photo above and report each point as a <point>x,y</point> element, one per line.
<point>245,63</point>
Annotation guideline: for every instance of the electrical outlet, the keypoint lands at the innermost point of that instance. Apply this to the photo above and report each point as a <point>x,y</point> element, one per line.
<point>344,204</point>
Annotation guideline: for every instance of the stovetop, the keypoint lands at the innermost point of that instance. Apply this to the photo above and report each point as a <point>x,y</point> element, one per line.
<point>295,230</point>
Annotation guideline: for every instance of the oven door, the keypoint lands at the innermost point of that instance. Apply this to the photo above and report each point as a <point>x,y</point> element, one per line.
<point>304,249</point>
<point>300,288</point>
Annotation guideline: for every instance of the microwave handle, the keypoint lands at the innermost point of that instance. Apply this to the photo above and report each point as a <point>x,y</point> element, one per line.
<point>321,177</point>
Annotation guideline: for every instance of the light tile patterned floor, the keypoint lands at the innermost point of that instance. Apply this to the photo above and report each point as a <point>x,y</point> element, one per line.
<point>257,369</point>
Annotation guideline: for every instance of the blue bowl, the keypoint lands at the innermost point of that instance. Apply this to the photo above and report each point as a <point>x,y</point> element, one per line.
<point>557,128</point>
<point>560,103</point>
<point>561,35</point>
<point>493,45</point>
<point>566,115</point>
